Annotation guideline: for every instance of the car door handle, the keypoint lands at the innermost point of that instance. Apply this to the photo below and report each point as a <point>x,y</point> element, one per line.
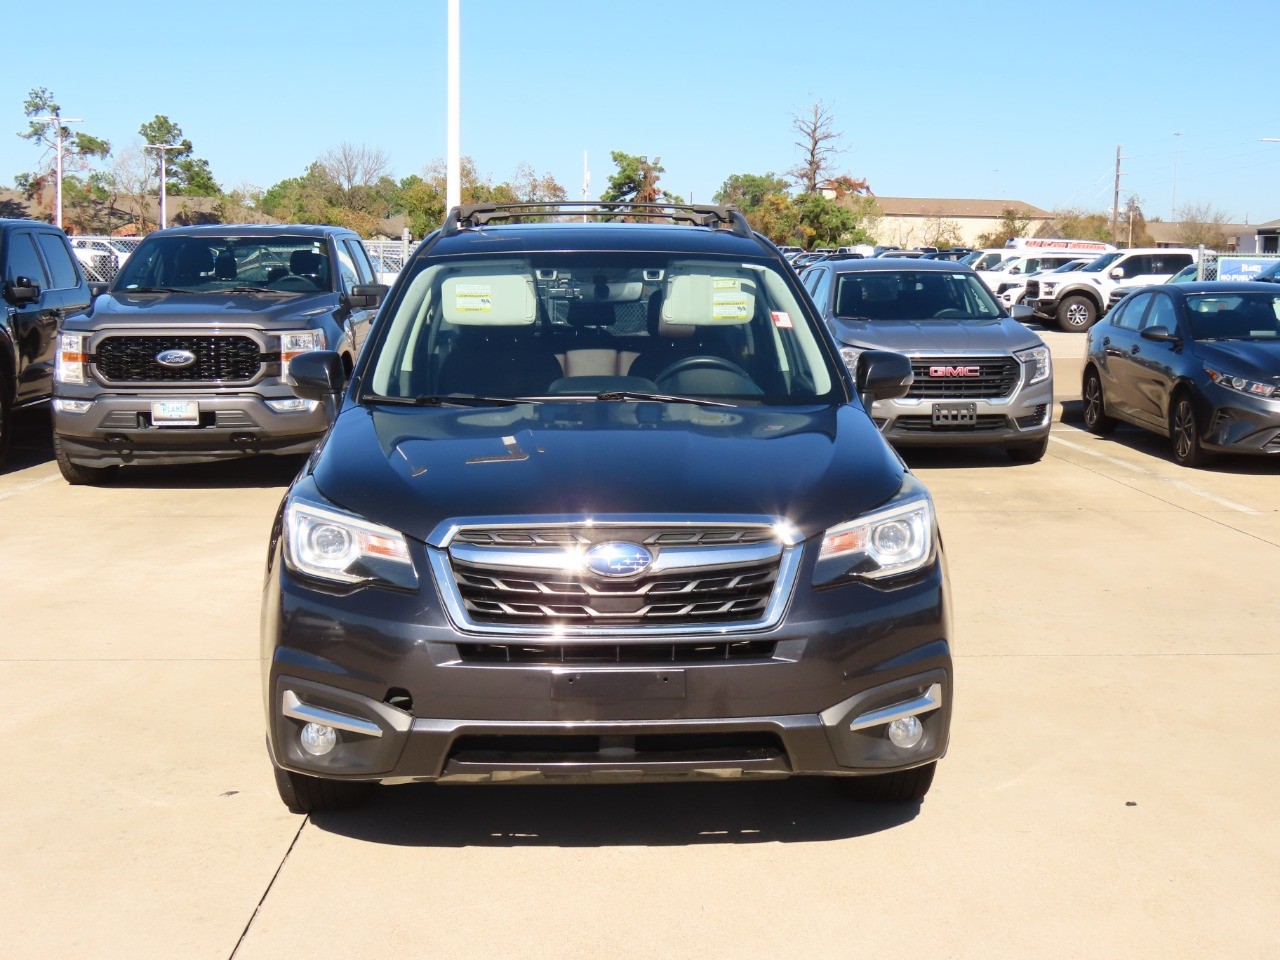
<point>1106,341</point>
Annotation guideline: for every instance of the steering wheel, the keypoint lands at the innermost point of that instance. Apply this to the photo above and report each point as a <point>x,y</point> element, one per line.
<point>699,363</point>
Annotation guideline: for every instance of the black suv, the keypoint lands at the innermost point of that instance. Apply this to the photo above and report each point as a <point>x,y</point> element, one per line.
<point>184,359</point>
<point>42,284</point>
<point>601,503</point>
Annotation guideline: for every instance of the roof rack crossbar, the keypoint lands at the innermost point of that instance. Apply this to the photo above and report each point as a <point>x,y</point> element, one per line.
<point>702,215</point>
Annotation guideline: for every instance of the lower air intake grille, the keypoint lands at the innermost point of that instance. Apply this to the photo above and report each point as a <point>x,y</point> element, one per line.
<point>650,653</point>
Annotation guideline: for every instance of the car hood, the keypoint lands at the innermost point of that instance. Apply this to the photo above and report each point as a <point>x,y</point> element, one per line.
<point>118,309</point>
<point>411,469</point>
<point>935,337</point>
<point>1257,360</point>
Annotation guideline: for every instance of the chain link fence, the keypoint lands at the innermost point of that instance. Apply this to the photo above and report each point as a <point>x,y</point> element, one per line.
<point>1232,266</point>
<point>101,257</point>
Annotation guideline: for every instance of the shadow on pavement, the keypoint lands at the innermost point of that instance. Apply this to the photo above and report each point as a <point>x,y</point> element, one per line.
<point>1157,447</point>
<point>264,471</point>
<point>32,442</point>
<point>789,811</point>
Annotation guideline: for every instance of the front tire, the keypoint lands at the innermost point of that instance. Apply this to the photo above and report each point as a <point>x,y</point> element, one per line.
<point>901,786</point>
<point>1077,314</point>
<point>1184,434</point>
<point>1095,406</point>
<point>1028,452</point>
<point>303,794</point>
<point>78,474</point>
<point>6,412</point>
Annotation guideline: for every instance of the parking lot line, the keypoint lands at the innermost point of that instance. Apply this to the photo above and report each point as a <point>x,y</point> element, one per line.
<point>30,485</point>
<point>1181,485</point>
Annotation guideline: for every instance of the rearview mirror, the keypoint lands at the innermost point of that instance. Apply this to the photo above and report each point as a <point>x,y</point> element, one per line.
<point>882,376</point>
<point>366,296</point>
<point>21,291</point>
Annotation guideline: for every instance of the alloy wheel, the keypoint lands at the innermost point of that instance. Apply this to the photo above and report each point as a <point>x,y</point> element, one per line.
<point>1184,429</point>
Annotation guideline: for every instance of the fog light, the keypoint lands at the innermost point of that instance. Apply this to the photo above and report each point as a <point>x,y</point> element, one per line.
<point>904,732</point>
<point>72,406</point>
<point>318,739</point>
<point>293,405</point>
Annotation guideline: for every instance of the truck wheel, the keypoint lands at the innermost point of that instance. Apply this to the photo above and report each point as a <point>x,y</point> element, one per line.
<point>1095,407</point>
<point>901,786</point>
<point>6,413</point>
<point>303,794</point>
<point>1077,314</point>
<point>78,474</point>
<point>1028,452</point>
<point>1184,434</point>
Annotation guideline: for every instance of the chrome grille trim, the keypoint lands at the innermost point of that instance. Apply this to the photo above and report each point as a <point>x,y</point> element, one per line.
<point>733,560</point>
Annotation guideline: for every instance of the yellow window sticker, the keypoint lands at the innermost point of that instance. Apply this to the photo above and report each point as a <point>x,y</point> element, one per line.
<point>725,283</point>
<point>473,297</point>
<point>730,305</point>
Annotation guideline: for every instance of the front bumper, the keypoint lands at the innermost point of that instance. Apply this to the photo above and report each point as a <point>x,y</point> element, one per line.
<point>1239,423</point>
<point>117,428</point>
<point>388,666</point>
<point>1023,417</point>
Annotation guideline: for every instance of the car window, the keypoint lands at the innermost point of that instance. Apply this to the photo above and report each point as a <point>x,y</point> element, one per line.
<point>1170,262</point>
<point>1161,314</point>
<point>566,324</point>
<point>363,267</point>
<point>347,274</point>
<point>23,261</point>
<point>822,290</point>
<point>1235,316</point>
<point>914,295</point>
<point>811,278</point>
<point>58,260</point>
<point>1130,318</point>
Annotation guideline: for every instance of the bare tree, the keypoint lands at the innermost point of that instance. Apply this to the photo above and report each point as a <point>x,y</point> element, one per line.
<point>134,177</point>
<point>1201,223</point>
<point>818,143</point>
<point>352,167</point>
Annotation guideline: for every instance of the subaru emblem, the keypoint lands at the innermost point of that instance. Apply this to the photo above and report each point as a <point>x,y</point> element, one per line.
<point>175,359</point>
<point>617,559</point>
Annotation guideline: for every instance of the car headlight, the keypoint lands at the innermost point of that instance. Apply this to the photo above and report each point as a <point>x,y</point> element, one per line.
<point>888,543</point>
<point>850,357</point>
<point>69,363</point>
<point>342,548</point>
<point>1046,289</point>
<point>1254,388</point>
<point>296,343</point>
<point>1038,362</point>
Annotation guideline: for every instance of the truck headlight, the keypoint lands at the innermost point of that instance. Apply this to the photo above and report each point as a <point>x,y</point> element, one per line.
<point>296,343</point>
<point>1038,362</point>
<point>850,357</point>
<point>887,543</point>
<point>69,364</point>
<point>340,547</point>
<point>1046,289</point>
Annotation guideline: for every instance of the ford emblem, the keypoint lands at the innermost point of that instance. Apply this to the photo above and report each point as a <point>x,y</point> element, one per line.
<point>175,359</point>
<point>617,559</point>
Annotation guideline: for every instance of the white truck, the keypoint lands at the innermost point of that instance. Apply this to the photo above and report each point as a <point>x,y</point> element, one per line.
<point>1076,300</point>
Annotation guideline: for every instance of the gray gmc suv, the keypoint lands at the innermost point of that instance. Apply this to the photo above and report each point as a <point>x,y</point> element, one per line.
<point>980,376</point>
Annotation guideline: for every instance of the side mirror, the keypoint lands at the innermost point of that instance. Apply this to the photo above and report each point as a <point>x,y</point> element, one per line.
<point>1117,273</point>
<point>366,296</point>
<point>21,291</point>
<point>97,289</point>
<point>1015,270</point>
<point>1020,311</point>
<point>318,375</point>
<point>882,376</point>
<point>1160,334</point>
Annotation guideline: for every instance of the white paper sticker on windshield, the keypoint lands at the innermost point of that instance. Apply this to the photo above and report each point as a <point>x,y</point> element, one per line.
<point>473,297</point>
<point>725,283</point>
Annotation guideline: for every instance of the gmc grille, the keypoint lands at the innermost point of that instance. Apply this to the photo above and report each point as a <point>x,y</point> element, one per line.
<point>219,359</point>
<point>997,377</point>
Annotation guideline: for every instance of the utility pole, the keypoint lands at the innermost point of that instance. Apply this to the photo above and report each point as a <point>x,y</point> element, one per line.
<point>586,181</point>
<point>1173,207</point>
<point>453,147</point>
<point>57,122</point>
<point>1115,201</point>
<point>160,149</point>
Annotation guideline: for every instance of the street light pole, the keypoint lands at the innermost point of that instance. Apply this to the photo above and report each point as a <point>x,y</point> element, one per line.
<point>453,145</point>
<point>1173,207</point>
<point>57,122</point>
<point>164,176</point>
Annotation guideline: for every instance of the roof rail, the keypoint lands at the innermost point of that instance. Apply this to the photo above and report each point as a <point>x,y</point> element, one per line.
<point>702,215</point>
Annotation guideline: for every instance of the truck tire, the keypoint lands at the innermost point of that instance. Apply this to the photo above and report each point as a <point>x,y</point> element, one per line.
<point>1077,313</point>
<point>901,786</point>
<point>303,794</point>
<point>6,413</point>
<point>77,474</point>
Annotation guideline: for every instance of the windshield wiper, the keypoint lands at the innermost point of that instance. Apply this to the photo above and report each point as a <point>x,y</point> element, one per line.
<point>437,400</point>
<point>659,398</point>
<point>289,293</point>
<point>154,290</point>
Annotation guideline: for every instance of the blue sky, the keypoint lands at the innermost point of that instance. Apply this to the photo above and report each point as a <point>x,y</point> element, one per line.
<point>1018,100</point>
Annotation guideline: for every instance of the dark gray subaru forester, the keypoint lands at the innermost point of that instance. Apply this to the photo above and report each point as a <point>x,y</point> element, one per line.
<point>600,503</point>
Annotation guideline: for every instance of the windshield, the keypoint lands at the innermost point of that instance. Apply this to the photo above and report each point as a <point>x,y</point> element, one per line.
<point>1069,266</point>
<point>1003,265</point>
<point>969,258</point>
<point>565,324</point>
<point>987,261</point>
<point>289,266</point>
<point>1104,261</point>
<point>1185,275</point>
<point>1235,316</point>
<point>913,295</point>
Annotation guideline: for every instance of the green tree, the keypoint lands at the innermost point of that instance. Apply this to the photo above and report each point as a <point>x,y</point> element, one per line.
<point>748,191</point>
<point>79,151</point>
<point>1074,223</point>
<point>189,175</point>
<point>1011,225</point>
<point>825,223</point>
<point>636,181</point>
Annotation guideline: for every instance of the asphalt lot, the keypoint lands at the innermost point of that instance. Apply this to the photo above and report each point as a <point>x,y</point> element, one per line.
<point>1109,792</point>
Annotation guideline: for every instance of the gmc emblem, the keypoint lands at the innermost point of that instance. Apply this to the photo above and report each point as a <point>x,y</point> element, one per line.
<point>955,371</point>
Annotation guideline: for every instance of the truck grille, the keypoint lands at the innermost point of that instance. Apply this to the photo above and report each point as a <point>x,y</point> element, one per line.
<point>532,577</point>
<point>219,359</point>
<point>1033,290</point>
<point>996,377</point>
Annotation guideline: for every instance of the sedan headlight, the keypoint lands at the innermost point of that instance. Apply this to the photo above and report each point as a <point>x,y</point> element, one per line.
<point>1254,388</point>
<point>887,543</point>
<point>69,363</point>
<point>342,548</point>
<point>1038,363</point>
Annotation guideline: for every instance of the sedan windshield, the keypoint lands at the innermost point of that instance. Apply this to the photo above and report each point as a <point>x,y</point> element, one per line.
<point>288,266</point>
<point>913,295</point>
<point>635,326</point>
<point>1235,316</point>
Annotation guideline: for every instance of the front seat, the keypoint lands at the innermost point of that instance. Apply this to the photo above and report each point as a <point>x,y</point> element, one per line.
<point>312,265</point>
